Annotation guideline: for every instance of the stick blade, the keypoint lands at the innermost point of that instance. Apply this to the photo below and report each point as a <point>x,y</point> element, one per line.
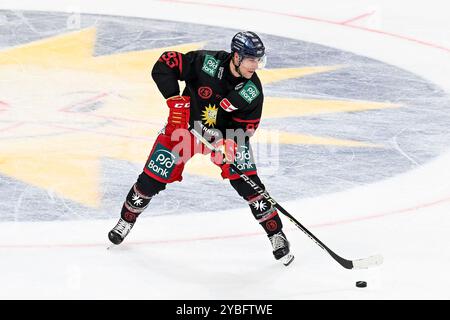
<point>366,263</point>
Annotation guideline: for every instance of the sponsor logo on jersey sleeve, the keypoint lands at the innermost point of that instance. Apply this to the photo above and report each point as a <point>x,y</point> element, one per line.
<point>227,106</point>
<point>249,92</point>
<point>210,65</point>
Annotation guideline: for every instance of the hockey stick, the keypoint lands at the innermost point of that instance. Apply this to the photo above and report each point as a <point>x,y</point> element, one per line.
<point>363,263</point>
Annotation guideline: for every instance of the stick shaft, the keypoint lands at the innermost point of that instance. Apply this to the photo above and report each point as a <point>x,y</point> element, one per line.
<point>348,264</point>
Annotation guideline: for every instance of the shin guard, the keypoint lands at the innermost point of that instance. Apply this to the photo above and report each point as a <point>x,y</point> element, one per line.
<point>134,205</point>
<point>265,214</point>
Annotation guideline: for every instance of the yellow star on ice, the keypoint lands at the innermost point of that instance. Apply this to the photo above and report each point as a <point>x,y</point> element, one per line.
<point>62,110</point>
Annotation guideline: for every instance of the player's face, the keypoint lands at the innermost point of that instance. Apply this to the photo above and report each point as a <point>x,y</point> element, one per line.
<point>249,65</point>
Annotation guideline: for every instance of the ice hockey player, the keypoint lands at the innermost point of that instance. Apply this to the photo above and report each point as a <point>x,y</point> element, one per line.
<point>223,95</point>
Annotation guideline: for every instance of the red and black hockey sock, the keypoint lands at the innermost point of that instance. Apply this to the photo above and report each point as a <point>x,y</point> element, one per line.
<point>262,210</point>
<point>134,205</point>
<point>139,197</point>
<point>265,214</point>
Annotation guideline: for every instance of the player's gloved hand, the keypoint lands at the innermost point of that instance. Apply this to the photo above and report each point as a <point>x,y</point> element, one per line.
<point>178,102</point>
<point>227,154</point>
<point>178,114</point>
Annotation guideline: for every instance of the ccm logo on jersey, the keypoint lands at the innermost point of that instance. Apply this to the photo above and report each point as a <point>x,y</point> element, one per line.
<point>227,106</point>
<point>182,105</point>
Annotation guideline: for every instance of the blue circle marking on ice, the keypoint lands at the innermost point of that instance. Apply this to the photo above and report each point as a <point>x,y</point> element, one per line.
<point>337,125</point>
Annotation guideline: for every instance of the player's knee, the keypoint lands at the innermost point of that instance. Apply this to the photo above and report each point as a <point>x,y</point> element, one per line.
<point>149,186</point>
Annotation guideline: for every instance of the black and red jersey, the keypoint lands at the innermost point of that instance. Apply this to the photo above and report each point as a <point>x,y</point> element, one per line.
<point>219,100</point>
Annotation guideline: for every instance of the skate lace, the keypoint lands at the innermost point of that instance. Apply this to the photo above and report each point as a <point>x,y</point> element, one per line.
<point>278,241</point>
<point>123,227</point>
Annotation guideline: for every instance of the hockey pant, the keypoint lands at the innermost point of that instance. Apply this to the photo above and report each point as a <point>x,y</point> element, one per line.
<point>165,164</point>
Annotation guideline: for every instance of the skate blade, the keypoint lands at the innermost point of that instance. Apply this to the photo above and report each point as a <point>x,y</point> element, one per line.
<point>287,259</point>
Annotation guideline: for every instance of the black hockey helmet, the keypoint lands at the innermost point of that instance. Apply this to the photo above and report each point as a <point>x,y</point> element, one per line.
<point>248,44</point>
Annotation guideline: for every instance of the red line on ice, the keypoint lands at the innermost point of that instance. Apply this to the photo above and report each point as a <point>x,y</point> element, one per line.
<point>231,236</point>
<point>407,38</point>
<point>99,132</point>
<point>338,222</point>
<point>384,214</point>
<point>357,17</point>
<point>123,119</point>
<point>95,98</point>
<point>3,105</point>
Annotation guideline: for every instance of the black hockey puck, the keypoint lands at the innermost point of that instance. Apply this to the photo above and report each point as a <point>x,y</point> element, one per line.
<point>361,284</point>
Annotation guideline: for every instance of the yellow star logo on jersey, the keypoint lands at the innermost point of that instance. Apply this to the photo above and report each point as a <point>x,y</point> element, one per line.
<point>62,110</point>
<point>209,115</point>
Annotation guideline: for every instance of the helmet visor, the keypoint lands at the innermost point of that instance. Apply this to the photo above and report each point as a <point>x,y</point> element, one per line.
<point>261,61</point>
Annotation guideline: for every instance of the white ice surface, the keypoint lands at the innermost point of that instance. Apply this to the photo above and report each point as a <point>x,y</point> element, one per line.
<point>213,255</point>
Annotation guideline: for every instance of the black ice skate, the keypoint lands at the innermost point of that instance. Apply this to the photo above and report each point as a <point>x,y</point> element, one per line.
<point>281,248</point>
<point>120,231</point>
